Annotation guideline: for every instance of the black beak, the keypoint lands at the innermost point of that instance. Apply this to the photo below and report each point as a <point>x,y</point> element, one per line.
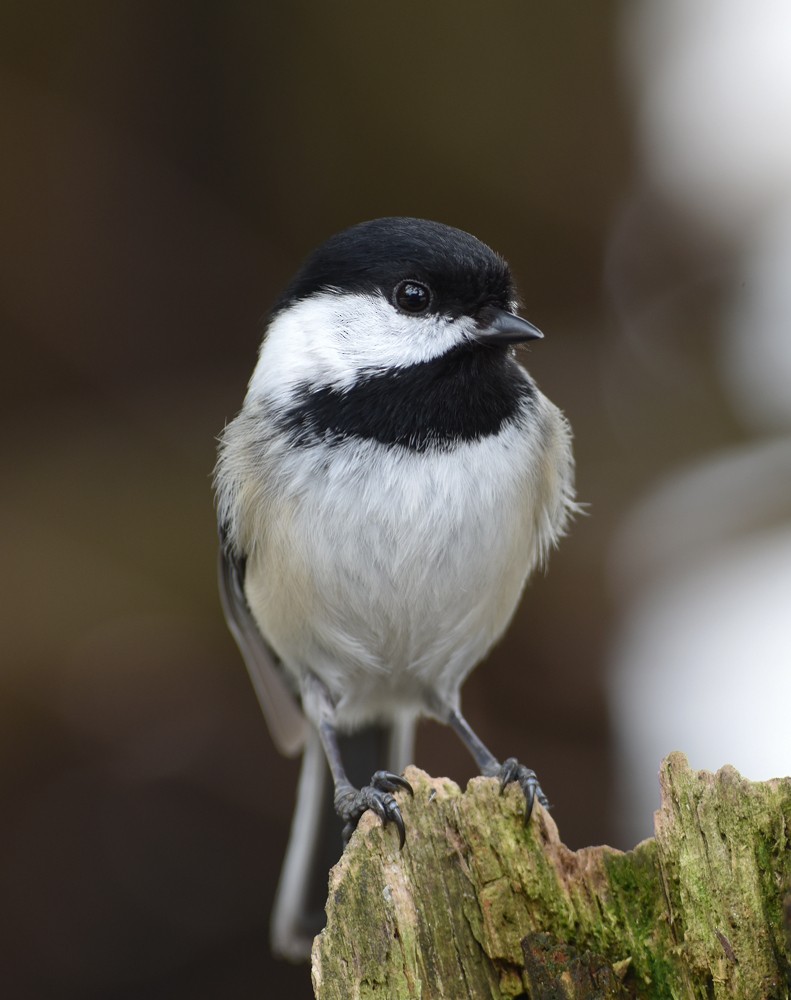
<point>496,326</point>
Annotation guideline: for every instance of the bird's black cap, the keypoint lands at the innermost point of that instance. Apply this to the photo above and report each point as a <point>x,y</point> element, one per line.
<point>463,273</point>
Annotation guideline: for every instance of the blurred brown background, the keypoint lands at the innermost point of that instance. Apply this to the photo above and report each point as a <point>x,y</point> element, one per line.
<point>164,169</point>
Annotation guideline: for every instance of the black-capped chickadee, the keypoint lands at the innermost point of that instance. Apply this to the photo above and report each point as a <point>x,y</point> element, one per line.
<point>393,477</point>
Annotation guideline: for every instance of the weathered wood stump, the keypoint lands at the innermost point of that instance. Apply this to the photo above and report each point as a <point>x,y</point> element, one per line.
<point>477,905</point>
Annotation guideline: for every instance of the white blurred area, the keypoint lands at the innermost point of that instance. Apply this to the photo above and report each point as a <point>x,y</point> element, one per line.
<point>702,567</point>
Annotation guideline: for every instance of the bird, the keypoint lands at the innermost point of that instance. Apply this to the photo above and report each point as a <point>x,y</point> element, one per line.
<point>391,481</point>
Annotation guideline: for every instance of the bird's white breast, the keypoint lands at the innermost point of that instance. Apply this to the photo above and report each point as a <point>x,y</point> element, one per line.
<point>387,572</point>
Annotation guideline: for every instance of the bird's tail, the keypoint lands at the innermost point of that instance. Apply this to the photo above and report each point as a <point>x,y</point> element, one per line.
<point>315,843</point>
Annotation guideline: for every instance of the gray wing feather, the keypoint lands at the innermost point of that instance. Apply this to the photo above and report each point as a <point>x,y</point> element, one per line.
<point>284,717</point>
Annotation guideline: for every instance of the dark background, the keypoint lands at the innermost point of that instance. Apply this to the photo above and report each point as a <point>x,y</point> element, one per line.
<point>165,168</point>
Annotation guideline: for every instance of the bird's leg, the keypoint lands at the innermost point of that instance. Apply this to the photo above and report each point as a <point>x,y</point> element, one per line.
<point>490,766</point>
<point>350,802</point>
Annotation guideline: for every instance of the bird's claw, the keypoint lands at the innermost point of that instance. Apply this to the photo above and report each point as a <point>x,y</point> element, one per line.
<point>512,770</point>
<point>377,796</point>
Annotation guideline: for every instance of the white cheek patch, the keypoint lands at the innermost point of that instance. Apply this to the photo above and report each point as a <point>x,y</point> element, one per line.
<point>333,338</point>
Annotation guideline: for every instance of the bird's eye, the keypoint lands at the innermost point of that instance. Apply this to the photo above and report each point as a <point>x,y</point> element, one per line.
<point>412,297</point>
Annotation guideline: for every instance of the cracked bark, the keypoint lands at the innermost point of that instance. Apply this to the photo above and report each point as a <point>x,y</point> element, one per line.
<point>477,905</point>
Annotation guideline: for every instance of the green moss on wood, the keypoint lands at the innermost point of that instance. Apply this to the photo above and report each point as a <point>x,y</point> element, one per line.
<point>477,905</point>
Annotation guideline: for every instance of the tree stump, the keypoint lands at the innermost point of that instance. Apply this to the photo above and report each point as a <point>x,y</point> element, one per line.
<point>477,905</point>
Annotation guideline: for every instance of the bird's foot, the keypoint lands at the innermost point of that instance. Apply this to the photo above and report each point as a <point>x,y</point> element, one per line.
<point>512,770</point>
<point>351,803</point>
